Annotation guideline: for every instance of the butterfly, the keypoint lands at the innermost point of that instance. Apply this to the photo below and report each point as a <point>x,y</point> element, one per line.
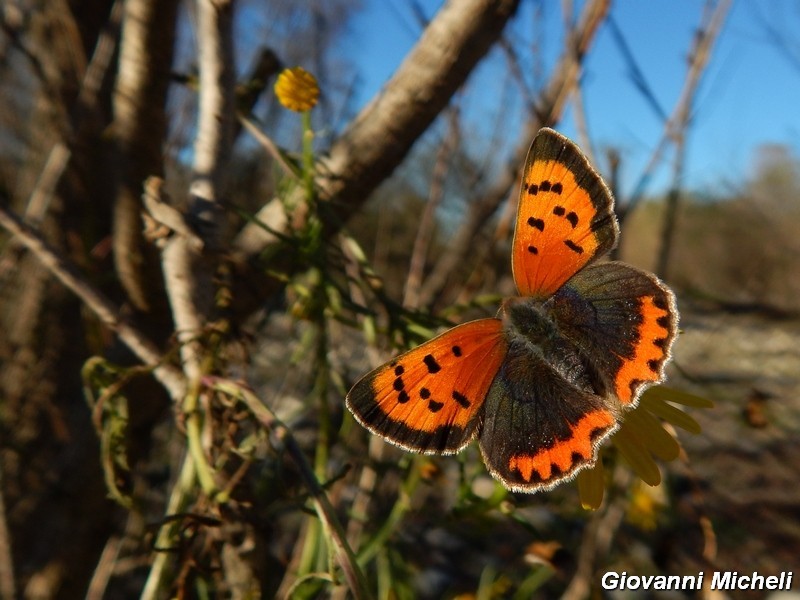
<point>546,381</point>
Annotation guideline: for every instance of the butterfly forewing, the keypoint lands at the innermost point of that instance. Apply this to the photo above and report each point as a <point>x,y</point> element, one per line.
<point>428,399</point>
<point>564,217</point>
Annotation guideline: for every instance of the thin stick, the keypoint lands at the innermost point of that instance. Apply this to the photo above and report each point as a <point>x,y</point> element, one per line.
<point>104,570</point>
<point>96,301</point>
<point>548,110</point>
<point>678,125</point>
<point>419,254</point>
<point>707,34</point>
<point>7,584</point>
<point>322,505</point>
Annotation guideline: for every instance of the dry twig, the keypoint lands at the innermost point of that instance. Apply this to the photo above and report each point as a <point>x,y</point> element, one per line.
<point>105,310</point>
<point>379,138</point>
<point>548,111</point>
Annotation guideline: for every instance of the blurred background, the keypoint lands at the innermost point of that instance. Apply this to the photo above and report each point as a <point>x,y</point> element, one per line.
<point>687,109</point>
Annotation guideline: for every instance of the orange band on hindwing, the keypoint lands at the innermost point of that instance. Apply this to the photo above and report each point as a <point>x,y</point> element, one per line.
<point>563,456</point>
<point>650,351</point>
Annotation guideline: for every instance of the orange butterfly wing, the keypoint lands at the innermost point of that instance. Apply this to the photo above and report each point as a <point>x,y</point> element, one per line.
<point>565,216</point>
<point>429,399</point>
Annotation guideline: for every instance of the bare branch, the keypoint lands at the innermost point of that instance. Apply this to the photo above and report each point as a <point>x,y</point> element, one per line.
<point>60,153</point>
<point>188,273</point>
<point>262,70</point>
<point>704,41</point>
<point>145,56</point>
<point>635,72</point>
<point>105,310</point>
<point>419,254</point>
<point>548,110</point>
<point>678,124</point>
<point>379,138</point>
<point>266,142</point>
<point>212,146</point>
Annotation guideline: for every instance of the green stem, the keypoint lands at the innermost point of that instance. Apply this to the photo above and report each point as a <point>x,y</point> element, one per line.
<point>308,555</point>
<point>401,506</point>
<point>322,505</point>
<point>312,548</point>
<point>178,501</point>
<point>308,156</point>
<point>194,427</point>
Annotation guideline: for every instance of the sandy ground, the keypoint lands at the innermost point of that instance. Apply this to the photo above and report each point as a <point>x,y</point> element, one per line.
<point>747,459</point>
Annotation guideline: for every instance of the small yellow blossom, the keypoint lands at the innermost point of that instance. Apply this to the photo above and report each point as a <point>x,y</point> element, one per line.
<point>297,89</point>
<point>647,431</point>
<point>645,506</point>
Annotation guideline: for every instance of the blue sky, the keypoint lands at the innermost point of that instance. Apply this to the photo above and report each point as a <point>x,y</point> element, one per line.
<point>749,95</point>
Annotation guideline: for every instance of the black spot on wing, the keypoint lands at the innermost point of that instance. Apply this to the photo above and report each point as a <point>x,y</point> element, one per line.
<point>434,406</point>
<point>572,217</point>
<point>536,223</point>
<point>461,399</point>
<point>430,362</point>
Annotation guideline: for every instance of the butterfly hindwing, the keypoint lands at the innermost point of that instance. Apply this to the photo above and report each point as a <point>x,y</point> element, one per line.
<point>539,429</point>
<point>565,216</point>
<point>429,399</point>
<point>622,318</point>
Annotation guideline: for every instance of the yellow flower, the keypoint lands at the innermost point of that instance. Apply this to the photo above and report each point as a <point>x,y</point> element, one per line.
<point>645,506</point>
<point>297,89</point>
<point>641,436</point>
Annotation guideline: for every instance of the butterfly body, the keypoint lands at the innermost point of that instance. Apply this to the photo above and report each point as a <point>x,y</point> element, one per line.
<point>532,330</point>
<point>547,380</point>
